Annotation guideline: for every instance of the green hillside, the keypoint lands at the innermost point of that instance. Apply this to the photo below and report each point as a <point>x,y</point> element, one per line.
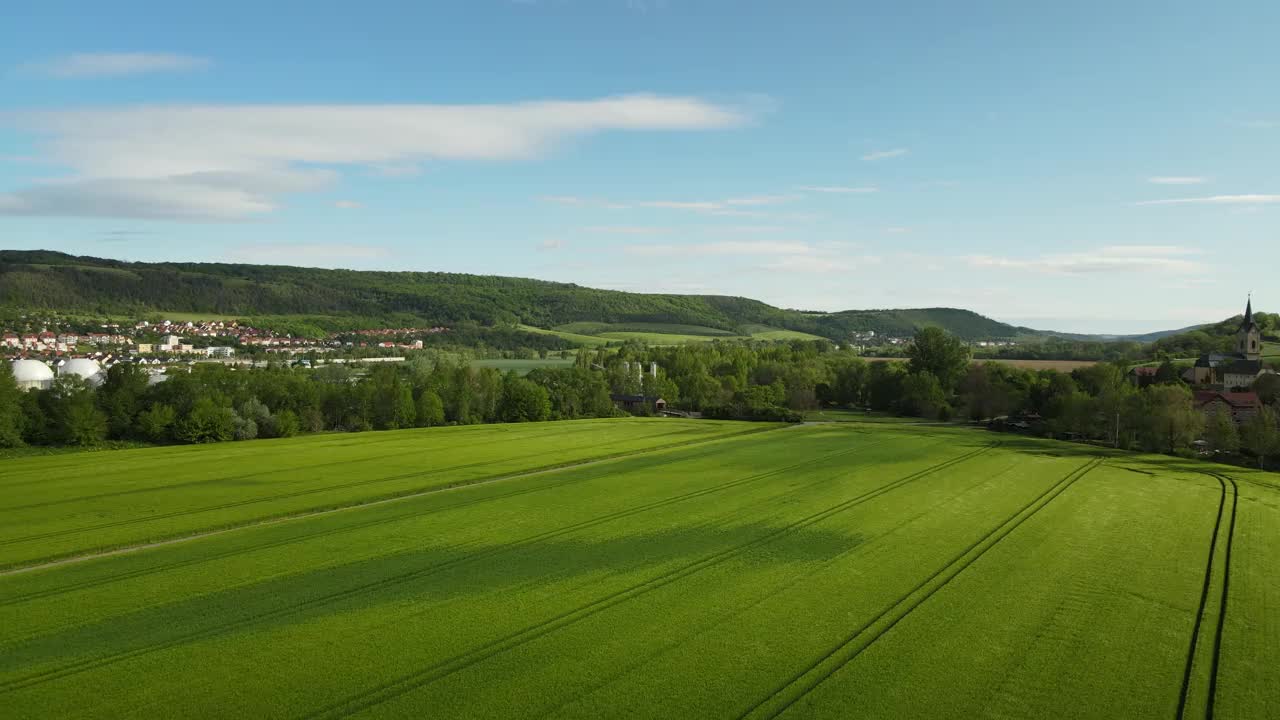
<point>345,299</point>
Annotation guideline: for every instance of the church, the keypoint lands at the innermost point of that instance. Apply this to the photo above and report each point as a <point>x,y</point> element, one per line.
<point>1237,370</point>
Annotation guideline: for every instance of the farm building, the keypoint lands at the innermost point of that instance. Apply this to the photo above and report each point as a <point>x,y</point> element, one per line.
<point>1240,405</point>
<point>639,403</point>
<point>32,375</point>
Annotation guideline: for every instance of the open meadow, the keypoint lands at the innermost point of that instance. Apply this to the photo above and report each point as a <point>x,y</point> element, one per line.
<point>638,568</point>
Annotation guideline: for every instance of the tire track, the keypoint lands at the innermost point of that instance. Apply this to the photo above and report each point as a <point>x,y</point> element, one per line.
<point>302,493</point>
<point>262,473</point>
<point>1222,605</point>
<point>839,656</point>
<point>780,589</point>
<point>374,522</point>
<point>1185,692</point>
<point>86,664</point>
<point>424,676</point>
<point>374,500</point>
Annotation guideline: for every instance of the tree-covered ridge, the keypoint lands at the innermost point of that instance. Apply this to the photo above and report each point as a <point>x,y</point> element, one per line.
<point>342,299</point>
<point>1218,337</point>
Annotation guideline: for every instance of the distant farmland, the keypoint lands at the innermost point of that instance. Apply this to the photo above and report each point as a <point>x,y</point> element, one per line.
<point>641,569</point>
<point>1065,366</point>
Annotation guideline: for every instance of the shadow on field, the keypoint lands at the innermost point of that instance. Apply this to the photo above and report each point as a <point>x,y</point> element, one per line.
<point>420,582</point>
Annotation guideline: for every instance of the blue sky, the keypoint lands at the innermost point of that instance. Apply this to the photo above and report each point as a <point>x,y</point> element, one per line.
<point>1087,166</point>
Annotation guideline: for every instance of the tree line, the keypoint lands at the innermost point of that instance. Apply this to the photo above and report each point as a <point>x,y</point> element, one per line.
<point>723,379</point>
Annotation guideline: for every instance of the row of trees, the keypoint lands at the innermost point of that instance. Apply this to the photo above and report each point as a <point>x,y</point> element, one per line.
<point>750,380</point>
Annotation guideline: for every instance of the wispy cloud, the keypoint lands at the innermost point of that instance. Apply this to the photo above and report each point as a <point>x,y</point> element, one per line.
<point>1109,259</point>
<point>1176,180</point>
<point>626,230</point>
<point>885,154</point>
<point>839,189</point>
<point>722,248</point>
<point>83,65</point>
<point>347,205</point>
<point>809,264</point>
<point>549,245</point>
<point>1218,200</point>
<point>224,162</point>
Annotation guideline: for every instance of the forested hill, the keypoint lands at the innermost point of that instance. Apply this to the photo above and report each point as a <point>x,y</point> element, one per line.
<point>341,299</point>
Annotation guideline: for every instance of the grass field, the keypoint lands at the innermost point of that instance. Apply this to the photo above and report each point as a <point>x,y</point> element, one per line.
<point>847,569</point>
<point>667,333</point>
<point>1065,366</point>
<point>522,367</point>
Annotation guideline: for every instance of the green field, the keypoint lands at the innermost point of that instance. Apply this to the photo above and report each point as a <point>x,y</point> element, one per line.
<point>679,570</point>
<point>669,333</point>
<point>1271,350</point>
<point>522,367</point>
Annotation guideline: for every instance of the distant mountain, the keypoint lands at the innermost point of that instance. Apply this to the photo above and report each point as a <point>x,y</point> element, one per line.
<point>1142,338</point>
<point>347,299</point>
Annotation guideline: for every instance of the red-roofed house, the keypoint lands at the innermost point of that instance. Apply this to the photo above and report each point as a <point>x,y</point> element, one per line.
<point>1241,405</point>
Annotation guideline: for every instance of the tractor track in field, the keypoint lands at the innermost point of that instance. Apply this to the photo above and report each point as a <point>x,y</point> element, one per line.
<point>436,671</point>
<point>283,496</point>
<point>1216,652</point>
<point>813,676</point>
<point>401,578</point>
<point>260,473</point>
<point>366,502</point>
<point>775,592</point>
<point>153,569</point>
<point>177,451</point>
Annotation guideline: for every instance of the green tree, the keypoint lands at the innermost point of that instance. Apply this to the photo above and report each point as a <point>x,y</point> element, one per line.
<point>430,409</point>
<point>922,395</point>
<point>1260,435</point>
<point>1268,389</point>
<point>11,417</point>
<point>523,401</point>
<point>1171,422</point>
<point>1220,432</point>
<point>206,422</point>
<point>282,424</point>
<point>121,397</point>
<point>156,422</point>
<point>1167,374</point>
<point>936,352</point>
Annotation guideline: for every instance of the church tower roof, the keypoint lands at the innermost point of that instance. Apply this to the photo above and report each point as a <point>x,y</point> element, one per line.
<point>1247,323</point>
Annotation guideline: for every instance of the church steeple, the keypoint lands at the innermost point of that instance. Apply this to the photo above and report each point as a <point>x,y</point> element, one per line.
<point>1248,337</point>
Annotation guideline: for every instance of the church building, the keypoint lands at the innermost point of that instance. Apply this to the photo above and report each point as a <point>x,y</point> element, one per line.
<point>1237,370</point>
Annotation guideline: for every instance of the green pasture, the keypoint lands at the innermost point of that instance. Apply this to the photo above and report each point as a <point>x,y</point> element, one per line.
<point>522,367</point>
<point>851,569</point>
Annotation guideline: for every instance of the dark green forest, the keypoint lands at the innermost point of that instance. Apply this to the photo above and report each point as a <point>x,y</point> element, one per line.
<point>335,300</point>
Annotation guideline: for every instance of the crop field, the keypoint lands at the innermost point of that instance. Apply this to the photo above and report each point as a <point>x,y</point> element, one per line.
<point>639,568</point>
<point>1064,366</point>
<point>523,366</point>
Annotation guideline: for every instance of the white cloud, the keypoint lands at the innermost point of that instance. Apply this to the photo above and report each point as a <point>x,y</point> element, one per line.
<point>1176,180</point>
<point>682,204</point>
<point>839,189</point>
<point>885,154</point>
<point>722,248</point>
<point>751,200</point>
<point>897,230</point>
<point>1218,200</point>
<point>546,245</point>
<point>1110,259</point>
<point>153,161</point>
<point>347,205</point>
<point>808,264</point>
<point>626,230</point>
<point>116,64</point>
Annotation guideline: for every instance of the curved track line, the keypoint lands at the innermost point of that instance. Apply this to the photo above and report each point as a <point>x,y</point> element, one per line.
<point>1185,691</point>
<point>958,565</point>
<point>304,514</point>
<point>392,581</point>
<point>425,676</point>
<point>1222,606</point>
